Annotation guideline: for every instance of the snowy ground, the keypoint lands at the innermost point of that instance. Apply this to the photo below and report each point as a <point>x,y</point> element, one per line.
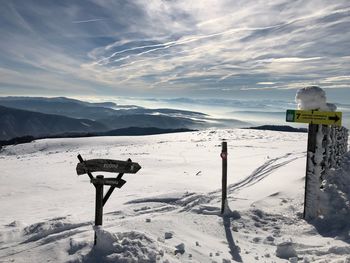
<point>169,210</point>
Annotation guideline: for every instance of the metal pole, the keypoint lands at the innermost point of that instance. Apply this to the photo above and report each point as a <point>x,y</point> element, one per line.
<point>224,176</point>
<point>99,202</point>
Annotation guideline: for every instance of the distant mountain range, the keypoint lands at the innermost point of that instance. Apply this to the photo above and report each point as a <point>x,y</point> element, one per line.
<point>38,117</point>
<point>17,123</point>
<point>81,109</point>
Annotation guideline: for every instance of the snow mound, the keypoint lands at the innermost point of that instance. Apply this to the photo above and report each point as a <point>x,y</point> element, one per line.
<point>336,201</point>
<point>286,250</point>
<point>313,98</point>
<point>44,229</point>
<point>127,247</point>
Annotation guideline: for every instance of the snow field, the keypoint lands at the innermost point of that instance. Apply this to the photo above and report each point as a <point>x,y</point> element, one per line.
<point>48,212</point>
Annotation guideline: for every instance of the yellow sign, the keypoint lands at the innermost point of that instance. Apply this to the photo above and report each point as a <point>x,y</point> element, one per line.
<point>314,117</point>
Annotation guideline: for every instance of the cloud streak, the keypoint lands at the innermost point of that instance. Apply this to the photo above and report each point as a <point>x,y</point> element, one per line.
<point>88,21</point>
<point>207,48</point>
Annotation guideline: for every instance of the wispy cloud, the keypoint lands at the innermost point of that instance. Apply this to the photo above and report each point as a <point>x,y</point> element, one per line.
<point>266,83</point>
<point>88,21</point>
<point>161,47</point>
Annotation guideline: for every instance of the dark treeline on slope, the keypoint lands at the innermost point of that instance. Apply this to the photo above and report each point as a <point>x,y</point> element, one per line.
<point>131,131</point>
<point>282,128</point>
<point>17,140</point>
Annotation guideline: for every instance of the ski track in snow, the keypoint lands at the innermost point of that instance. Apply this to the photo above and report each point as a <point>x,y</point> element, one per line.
<point>200,203</point>
<point>265,170</point>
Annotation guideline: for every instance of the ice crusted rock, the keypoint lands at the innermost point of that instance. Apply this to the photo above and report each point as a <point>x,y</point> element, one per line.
<point>286,250</point>
<point>180,248</point>
<point>270,239</point>
<point>168,235</point>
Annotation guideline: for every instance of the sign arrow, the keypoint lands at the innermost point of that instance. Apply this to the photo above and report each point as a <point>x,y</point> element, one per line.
<point>334,118</point>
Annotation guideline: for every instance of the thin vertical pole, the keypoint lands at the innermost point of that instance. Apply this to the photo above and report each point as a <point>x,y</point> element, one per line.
<point>311,148</point>
<point>98,203</point>
<point>224,176</point>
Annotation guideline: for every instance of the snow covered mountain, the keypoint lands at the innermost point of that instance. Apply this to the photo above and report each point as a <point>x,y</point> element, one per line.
<point>170,210</point>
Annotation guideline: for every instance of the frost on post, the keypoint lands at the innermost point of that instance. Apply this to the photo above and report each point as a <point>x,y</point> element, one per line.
<point>315,172</point>
<point>328,145</point>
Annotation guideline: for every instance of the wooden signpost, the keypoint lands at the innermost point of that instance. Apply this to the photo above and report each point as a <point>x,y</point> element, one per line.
<point>315,119</point>
<point>105,165</point>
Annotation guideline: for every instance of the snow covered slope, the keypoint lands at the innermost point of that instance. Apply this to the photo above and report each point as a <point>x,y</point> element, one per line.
<point>169,210</point>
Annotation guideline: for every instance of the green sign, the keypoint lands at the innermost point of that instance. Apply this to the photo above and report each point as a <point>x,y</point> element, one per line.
<point>314,117</point>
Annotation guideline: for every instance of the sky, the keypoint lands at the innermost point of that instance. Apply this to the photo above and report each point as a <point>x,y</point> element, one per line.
<point>174,48</point>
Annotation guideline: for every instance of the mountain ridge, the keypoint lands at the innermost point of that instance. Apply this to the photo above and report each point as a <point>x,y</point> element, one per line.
<point>17,123</point>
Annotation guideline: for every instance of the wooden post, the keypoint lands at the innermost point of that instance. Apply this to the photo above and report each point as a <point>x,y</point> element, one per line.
<point>311,149</point>
<point>224,176</point>
<point>105,165</point>
<point>111,189</point>
<point>99,202</point>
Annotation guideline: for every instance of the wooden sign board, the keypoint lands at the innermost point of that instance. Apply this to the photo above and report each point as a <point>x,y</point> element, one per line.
<point>314,117</point>
<point>107,165</point>
<point>109,181</point>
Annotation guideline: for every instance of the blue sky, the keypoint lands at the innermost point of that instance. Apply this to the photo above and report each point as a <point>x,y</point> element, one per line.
<point>222,49</point>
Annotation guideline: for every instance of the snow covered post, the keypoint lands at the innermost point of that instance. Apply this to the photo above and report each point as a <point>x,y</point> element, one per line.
<point>311,180</point>
<point>224,176</point>
<point>314,98</point>
<point>327,144</point>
